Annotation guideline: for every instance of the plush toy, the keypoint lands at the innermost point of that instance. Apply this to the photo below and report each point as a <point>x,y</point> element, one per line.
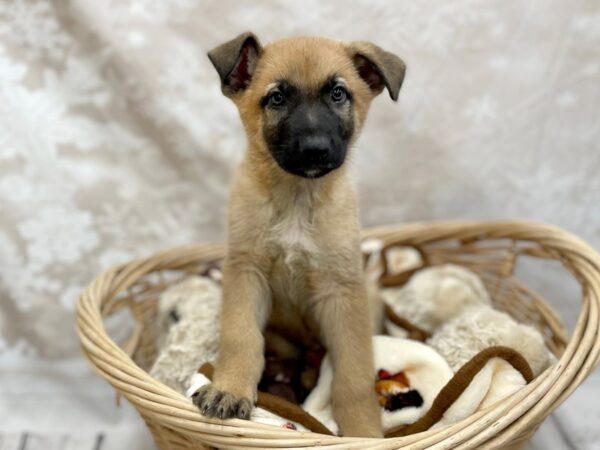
<point>188,317</point>
<point>435,295</point>
<point>409,375</point>
<point>479,327</point>
<point>451,303</point>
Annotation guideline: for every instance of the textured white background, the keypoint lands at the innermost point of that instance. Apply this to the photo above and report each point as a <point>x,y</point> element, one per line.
<point>115,140</point>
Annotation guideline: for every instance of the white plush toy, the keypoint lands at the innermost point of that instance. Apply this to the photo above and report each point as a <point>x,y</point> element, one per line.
<point>435,295</point>
<point>410,375</point>
<point>452,304</point>
<point>424,373</point>
<point>188,314</point>
<point>479,327</point>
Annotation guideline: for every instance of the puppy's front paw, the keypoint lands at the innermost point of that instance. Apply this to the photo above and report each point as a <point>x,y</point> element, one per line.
<point>215,403</point>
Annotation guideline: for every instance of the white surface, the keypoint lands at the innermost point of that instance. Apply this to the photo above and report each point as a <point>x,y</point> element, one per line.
<point>63,405</point>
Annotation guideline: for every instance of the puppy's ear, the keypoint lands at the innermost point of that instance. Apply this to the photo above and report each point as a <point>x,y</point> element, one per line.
<point>235,62</point>
<point>378,68</point>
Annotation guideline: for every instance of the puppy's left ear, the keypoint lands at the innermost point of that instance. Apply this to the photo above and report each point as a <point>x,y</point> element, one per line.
<point>378,68</point>
<point>236,61</point>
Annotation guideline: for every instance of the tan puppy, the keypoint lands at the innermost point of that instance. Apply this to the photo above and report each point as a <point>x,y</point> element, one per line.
<point>293,257</point>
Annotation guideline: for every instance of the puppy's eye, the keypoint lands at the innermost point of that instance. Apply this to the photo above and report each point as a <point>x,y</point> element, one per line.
<point>276,98</point>
<point>339,94</point>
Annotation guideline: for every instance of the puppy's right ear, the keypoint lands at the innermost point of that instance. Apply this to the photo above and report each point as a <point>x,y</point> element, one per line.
<point>235,62</point>
<point>378,68</point>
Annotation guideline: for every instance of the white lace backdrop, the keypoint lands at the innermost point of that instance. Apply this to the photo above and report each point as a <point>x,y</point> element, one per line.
<point>115,140</point>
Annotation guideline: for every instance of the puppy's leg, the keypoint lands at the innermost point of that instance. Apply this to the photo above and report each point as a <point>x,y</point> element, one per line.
<point>342,312</point>
<point>246,305</point>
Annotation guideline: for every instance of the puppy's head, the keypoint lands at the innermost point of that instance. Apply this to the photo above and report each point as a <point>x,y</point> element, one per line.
<point>304,100</point>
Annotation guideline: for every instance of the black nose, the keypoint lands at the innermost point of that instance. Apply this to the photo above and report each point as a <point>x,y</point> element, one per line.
<point>315,149</point>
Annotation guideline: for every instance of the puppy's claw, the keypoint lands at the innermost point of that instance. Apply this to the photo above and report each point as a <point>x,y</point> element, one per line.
<point>198,396</point>
<point>244,407</point>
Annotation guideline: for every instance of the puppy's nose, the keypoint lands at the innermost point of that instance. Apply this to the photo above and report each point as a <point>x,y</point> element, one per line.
<point>315,149</point>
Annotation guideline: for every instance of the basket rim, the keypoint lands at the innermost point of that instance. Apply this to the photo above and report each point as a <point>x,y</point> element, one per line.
<point>507,421</point>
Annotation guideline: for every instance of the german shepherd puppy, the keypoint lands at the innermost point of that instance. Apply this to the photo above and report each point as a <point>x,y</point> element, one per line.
<point>293,256</point>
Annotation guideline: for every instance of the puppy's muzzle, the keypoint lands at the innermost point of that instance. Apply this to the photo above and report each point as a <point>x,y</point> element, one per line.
<point>313,156</point>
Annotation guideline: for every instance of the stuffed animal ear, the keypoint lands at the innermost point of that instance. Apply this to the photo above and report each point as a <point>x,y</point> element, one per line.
<point>236,61</point>
<point>378,68</point>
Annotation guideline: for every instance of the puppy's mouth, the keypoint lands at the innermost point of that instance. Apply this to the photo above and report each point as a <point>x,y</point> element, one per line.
<point>310,172</point>
<point>316,173</point>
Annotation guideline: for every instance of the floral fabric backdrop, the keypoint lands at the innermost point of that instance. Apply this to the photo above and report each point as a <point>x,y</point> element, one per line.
<point>115,140</point>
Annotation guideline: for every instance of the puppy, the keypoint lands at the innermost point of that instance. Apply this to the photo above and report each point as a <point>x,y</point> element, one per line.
<point>293,256</point>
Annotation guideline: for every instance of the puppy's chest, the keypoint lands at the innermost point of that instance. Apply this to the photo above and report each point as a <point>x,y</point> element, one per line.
<point>292,240</point>
<point>294,252</point>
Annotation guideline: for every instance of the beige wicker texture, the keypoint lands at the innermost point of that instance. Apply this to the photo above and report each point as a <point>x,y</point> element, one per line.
<point>492,249</point>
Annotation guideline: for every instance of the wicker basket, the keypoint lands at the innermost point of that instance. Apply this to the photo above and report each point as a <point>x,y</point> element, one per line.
<point>492,249</point>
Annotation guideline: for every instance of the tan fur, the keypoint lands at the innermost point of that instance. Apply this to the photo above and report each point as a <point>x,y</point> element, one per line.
<point>293,255</point>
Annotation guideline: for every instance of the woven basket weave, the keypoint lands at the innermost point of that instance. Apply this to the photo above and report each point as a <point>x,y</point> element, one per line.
<point>491,249</point>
